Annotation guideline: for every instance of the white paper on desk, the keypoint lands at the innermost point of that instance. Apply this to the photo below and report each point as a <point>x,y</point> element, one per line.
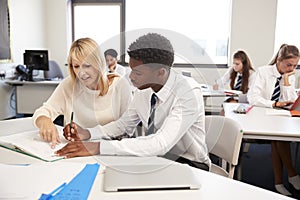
<point>233,91</point>
<point>31,143</point>
<point>278,112</point>
<point>29,182</point>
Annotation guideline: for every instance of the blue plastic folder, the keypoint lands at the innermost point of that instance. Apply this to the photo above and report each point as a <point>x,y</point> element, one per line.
<point>78,188</point>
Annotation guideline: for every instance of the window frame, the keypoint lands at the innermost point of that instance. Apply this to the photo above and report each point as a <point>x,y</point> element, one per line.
<point>122,4</point>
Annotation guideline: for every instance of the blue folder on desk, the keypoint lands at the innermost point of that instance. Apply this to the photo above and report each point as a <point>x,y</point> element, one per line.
<point>78,188</point>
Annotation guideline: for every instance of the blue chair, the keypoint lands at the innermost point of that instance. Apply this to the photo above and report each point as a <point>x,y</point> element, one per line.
<point>54,71</point>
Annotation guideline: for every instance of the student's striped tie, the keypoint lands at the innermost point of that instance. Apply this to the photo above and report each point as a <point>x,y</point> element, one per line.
<point>238,83</point>
<point>152,114</point>
<point>276,93</point>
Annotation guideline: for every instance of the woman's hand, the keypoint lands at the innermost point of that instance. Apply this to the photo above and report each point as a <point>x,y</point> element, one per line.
<point>76,133</point>
<point>78,149</point>
<point>48,131</point>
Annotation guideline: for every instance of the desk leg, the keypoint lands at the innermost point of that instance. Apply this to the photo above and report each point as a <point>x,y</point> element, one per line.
<point>239,165</point>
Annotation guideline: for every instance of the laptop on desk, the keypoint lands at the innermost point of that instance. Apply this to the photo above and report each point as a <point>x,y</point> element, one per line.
<point>294,108</point>
<point>149,177</point>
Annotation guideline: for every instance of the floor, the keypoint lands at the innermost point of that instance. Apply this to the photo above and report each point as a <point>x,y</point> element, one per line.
<point>257,167</point>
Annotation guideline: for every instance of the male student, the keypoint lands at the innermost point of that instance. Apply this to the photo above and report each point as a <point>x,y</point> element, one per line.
<point>175,101</point>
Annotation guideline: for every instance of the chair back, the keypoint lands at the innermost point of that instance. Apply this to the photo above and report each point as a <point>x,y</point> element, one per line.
<point>54,71</point>
<point>223,139</point>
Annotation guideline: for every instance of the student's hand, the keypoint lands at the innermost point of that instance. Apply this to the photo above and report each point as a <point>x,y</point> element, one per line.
<point>78,149</point>
<point>215,87</point>
<point>283,103</point>
<point>75,133</point>
<point>290,73</point>
<point>286,77</point>
<point>48,131</point>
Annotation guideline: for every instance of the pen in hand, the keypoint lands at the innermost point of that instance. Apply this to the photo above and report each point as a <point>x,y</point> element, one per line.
<point>71,122</point>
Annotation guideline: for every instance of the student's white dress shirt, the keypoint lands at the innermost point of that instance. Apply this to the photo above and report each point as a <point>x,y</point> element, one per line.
<point>179,123</point>
<point>225,79</point>
<point>261,92</point>
<point>121,70</point>
<point>89,108</point>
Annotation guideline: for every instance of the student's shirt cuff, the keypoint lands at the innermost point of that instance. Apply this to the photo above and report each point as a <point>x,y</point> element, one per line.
<point>107,148</point>
<point>95,133</point>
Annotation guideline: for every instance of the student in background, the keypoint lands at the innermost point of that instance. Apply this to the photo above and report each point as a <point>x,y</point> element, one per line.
<point>175,131</point>
<point>240,76</point>
<point>275,87</point>
<point>112,62</point>
<point>93,96</point>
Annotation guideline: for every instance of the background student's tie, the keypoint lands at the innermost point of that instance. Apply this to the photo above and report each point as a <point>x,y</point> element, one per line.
<point>276,93</point>
<point>238,83</point>
<point>152,114</point>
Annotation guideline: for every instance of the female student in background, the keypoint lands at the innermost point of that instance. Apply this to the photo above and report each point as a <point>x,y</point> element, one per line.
<point>275,87</point>
<point>93,96</point>
<point>240,76</point>
<point>111,61</point>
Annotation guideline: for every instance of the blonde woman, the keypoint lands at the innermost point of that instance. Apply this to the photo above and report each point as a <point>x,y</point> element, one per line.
<point>94,97</point>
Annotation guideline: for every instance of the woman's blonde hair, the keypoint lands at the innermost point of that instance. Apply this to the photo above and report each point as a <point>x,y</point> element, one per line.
<point>87,50</point>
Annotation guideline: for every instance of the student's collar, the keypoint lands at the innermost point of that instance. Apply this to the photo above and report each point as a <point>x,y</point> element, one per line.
<point>276,72</point>
<point>165,91</point>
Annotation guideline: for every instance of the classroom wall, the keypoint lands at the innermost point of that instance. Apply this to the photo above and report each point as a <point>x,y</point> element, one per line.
<point>253,29</point>
<point>27,31</point>
<point>58,31</point>
<point>43,24</point>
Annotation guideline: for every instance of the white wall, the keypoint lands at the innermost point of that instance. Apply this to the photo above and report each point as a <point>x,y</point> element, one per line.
<point>27,31</point>
<point>43,24</point>
<point>253,29</point>
<point>38,24</point>
<point>28,27</point>
<point>57,32</point>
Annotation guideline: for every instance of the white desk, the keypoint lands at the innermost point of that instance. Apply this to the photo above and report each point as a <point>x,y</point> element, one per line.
<point>212,186</point>
<point>31,95</point>
<point>257,124</point>
<point>213,99</point>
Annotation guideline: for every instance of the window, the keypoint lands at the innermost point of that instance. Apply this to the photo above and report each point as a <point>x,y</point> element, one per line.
<point>99,21</point>
<point>287,27</point>
<point>198,29</point>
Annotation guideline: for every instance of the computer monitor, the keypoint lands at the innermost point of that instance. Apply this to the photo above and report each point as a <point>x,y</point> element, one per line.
<point>35,60</point>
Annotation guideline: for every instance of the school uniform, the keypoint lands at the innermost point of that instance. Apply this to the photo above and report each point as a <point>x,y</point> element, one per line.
<point>261,92</point>
<point>178,123</point>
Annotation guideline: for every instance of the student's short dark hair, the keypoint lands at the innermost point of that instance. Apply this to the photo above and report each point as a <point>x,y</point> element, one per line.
<point>111,52</point>
<point>152,48</point>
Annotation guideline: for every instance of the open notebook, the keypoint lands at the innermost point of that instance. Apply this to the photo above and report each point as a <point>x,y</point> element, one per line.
<point>31,144</point>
